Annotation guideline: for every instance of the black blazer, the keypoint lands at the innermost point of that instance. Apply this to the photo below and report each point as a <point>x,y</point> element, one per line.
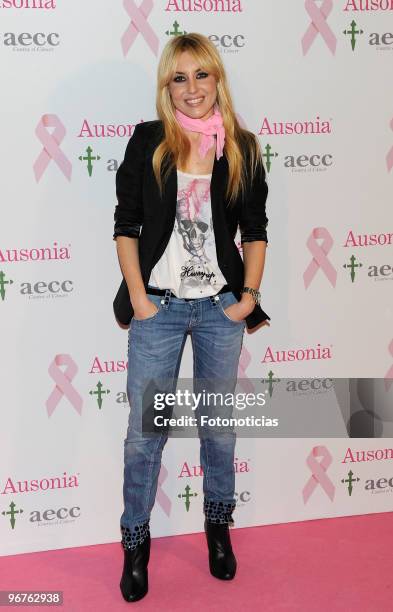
<point>141,213</point>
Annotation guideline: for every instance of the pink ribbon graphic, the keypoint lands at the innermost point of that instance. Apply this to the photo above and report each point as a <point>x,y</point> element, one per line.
<point>244,362</point>
<point>318,470</point>
<point>389,157</point>
<point>319,25</point>
<point>161,496</point>
<point>139,24</point>
<point>63,383</point>
<point>319,259</point>
<point>51,148</point>
<point>389,373</point>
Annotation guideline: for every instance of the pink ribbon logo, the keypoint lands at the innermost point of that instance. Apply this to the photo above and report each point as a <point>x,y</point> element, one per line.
<point>389,373</point>
<point>319,253</point>
<point>139,24</point>
<point>319,25</point>
<point>51,146</point>
<point>389,157</point>
<point>63,383</point>
<point>318,473</point>
<point>162,497</point>
<point>244,362</point>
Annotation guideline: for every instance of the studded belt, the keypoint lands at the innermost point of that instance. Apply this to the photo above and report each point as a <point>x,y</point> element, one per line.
<point>156,291</point>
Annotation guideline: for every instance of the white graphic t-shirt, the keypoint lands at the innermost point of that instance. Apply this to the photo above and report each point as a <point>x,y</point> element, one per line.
<point>189,267</point>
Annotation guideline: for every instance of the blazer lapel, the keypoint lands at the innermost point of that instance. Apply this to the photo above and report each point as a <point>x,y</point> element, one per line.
<point>169,196</point>
<point>219,180</point>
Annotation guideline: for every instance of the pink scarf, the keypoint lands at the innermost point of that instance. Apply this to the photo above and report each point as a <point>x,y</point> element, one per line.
<point>207,127</point>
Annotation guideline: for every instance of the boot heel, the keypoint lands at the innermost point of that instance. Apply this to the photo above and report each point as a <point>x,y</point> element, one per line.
<point>222,561</point>
<point>134,582</point>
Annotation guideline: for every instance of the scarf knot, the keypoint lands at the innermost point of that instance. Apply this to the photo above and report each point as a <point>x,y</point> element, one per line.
<point>208,128</point>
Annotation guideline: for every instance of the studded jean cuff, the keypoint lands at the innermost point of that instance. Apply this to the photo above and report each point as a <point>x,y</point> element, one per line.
<point>218,512</point>
<point>131,538</point>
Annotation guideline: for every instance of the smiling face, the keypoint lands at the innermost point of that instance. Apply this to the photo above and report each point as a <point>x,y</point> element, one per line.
<point>193,90</point>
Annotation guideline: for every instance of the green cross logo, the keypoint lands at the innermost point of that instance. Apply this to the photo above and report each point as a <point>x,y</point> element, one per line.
<point>100,392</point>
<point>352,33</point>
<point>175,31</point>
<point>350,481</point>
<point>12,513</point>
<point>270,380</point>
<point>187,496</point>
<point>352,266</point>
<point>268,155</point>
<point>3,283</point>
<point>89,158</point>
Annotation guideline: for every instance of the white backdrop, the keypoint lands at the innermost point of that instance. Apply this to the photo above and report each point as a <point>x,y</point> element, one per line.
<point>78,74</point>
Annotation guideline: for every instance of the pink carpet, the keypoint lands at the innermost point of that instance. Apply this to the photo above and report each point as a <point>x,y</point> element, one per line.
<point>333,564</point>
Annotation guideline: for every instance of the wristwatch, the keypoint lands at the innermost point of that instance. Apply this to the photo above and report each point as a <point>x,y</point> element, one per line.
<point>254,292</point>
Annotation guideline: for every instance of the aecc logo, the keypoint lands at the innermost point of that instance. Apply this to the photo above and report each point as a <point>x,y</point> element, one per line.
<point>26,40</point>
<point>228,42</point>
<point>42,288</point>
<point>39,289</point>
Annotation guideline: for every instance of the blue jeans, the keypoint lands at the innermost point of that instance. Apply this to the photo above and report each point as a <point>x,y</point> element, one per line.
<point>155,350</point>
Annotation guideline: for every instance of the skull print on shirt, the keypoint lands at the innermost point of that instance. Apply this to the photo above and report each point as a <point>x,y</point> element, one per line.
<point>189,265</point>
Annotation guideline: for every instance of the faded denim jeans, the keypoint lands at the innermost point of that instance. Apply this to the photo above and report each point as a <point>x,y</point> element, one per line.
<point>155,350</point>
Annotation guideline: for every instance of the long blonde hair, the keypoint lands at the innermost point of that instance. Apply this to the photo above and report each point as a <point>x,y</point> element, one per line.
<point>175,147</point>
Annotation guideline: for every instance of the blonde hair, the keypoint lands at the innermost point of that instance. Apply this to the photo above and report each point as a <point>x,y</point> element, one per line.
<point>175,147</point>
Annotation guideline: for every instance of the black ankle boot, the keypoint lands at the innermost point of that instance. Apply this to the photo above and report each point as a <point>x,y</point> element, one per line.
<point>222,561</point>
<point>134,581</point>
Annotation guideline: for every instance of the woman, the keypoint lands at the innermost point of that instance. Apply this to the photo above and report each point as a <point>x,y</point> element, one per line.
<point>188,180</point>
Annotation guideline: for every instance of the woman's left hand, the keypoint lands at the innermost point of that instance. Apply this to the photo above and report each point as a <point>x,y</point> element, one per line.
<point>242,309</point>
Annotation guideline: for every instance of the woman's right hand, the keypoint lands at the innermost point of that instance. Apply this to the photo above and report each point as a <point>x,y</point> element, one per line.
<point>144,309</point>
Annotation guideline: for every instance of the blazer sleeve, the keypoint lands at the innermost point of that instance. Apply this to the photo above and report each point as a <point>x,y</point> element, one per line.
<point>252,218</point>
<point>128,214</point>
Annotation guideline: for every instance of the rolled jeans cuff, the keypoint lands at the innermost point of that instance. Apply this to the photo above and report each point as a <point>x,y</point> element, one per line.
<point>218,512</point>
<point>131,538</point>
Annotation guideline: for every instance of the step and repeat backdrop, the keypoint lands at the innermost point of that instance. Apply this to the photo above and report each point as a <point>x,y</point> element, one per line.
<point>313,80</point>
